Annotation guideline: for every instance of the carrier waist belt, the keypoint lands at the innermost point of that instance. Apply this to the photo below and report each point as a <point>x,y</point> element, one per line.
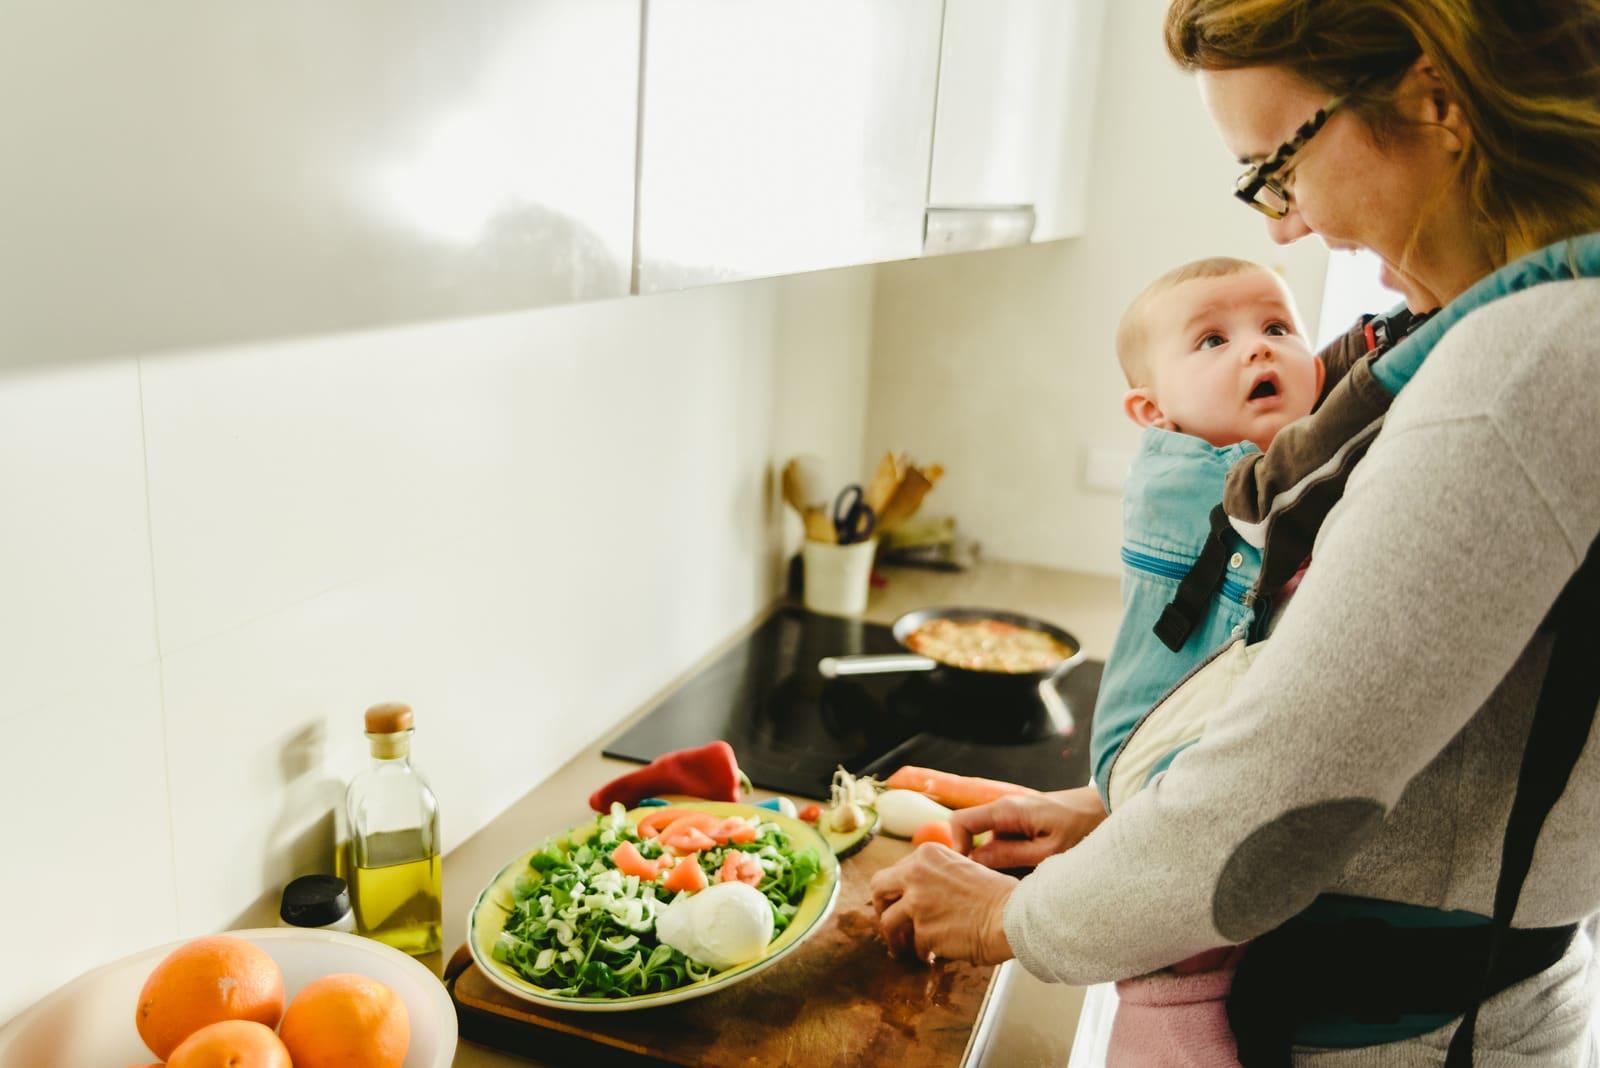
<point>1373,972</point>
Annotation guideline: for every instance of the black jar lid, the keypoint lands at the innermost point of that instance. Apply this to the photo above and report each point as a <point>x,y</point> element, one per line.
<point>315,901</point>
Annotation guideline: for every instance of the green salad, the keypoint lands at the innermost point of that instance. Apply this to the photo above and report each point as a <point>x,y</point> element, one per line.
<point>581,927</point>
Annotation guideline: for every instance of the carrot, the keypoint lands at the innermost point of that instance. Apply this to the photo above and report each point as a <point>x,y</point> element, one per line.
<point>630,861</point>
<point>935,831</point>
<point>686,875</point>
<point>954,791</point>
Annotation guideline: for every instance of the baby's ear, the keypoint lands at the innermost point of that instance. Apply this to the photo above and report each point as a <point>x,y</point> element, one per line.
<point>1140,405</point>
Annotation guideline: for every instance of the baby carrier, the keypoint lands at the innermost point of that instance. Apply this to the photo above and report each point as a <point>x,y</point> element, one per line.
<point>1273,535</point>
<point>1345,961</point>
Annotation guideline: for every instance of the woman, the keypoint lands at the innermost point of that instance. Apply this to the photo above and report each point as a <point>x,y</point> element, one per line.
<point>1360,780</point>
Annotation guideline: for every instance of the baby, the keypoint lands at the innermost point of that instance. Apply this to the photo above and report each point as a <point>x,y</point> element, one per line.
<point>1214,349</point>
<point>1216,366</point>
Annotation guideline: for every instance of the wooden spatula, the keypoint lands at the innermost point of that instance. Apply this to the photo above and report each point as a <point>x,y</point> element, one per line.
<point>884,481</point>
<point>905,500</point>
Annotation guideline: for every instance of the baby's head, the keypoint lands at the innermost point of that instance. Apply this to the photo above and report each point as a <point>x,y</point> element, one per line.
<point>1214,349</point>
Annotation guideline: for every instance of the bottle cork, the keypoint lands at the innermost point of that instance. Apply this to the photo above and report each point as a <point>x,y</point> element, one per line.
<point>391,717</point>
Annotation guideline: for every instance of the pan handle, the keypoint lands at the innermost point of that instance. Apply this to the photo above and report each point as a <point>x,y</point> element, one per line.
<point>832,667</point>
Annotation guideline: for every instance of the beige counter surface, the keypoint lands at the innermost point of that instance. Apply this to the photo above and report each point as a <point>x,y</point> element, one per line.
<point>1029,1023</point>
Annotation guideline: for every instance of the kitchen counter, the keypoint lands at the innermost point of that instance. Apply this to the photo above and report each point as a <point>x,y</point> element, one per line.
<point>1027,1023</point>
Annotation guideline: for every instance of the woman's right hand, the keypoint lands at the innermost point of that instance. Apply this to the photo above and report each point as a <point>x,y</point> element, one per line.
<point>1027,828</point>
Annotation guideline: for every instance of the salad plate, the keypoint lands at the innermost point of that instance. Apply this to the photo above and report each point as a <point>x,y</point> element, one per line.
<point>510,944</point>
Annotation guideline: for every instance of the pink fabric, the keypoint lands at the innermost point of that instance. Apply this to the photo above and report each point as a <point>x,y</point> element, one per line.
<point>1177,1017</point>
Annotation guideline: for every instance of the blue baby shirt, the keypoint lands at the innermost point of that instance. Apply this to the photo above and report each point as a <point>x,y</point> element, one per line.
<point>1175,482</point>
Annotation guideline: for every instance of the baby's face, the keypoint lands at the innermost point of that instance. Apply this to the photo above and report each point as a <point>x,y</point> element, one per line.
<point>1226,360</point>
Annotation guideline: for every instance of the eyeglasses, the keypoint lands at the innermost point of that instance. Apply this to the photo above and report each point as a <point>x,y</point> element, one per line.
<point>1259,187</point>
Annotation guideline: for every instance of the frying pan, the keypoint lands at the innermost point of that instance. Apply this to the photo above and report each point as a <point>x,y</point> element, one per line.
<point>836,666</point>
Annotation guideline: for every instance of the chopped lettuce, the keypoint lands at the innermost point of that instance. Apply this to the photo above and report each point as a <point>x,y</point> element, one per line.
<point>580,928</point>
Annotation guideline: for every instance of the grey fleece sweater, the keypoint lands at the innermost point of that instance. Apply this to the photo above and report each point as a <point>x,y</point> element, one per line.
<point>1373,748</point>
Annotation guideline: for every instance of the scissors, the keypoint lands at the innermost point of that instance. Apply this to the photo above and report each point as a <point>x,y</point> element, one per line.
<point>853,517</point>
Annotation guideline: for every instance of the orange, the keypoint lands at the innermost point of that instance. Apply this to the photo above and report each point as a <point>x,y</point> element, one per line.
<point>346,1021</point>
<point>231,1044</point>
<point>203,982</point>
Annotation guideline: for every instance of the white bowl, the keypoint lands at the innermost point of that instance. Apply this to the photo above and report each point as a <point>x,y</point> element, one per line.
<point>89,1021</point>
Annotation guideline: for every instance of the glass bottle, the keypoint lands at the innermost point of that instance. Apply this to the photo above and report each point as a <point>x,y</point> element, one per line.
<point>394,839</point>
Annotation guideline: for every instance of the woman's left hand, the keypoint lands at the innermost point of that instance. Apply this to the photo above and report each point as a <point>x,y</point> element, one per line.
<point>936,902</point>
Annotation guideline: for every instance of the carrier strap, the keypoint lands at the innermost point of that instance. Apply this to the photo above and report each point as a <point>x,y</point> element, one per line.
<point>1561,723</point>
<point>1189,606</point>
<point>1375,972</point>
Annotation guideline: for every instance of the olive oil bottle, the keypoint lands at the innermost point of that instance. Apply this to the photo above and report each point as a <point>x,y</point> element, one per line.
<point>393,821</point>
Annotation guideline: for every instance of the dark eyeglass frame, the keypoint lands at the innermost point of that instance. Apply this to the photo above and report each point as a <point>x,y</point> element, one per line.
<point>1258,186</point>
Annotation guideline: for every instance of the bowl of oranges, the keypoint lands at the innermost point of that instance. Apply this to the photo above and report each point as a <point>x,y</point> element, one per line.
<point>269,998</point>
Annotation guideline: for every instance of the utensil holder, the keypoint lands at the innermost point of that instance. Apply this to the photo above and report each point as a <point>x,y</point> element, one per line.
<point>837,577</point>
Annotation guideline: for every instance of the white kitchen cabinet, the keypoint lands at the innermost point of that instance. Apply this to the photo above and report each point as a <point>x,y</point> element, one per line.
<point>780,137</point>
<point>1015,113</point>
<point>186,172</point>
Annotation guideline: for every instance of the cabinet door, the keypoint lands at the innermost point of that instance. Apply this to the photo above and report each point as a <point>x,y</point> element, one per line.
<point>783,136</point>
<point>186,172</point>
<point>1016,99</point>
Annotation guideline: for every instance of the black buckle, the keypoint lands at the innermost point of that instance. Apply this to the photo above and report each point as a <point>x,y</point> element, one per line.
<point>1174,627</point>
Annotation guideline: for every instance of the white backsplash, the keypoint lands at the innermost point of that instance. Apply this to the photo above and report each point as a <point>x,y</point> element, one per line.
<point>212,562</point>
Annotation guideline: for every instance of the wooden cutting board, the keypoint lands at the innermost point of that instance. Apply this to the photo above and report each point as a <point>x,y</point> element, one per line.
<point>838,999</point>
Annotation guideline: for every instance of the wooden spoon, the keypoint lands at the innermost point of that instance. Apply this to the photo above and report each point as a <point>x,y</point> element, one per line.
<point>803,484</point>
<point>819,526</point>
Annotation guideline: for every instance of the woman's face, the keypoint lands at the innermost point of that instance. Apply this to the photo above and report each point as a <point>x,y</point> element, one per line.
<point>1346,189</point>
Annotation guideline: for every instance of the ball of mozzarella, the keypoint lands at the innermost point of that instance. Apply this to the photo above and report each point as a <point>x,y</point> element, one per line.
<point>723,925</point>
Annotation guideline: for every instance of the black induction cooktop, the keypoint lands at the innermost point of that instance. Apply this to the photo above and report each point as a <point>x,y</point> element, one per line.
<point>791,727</point>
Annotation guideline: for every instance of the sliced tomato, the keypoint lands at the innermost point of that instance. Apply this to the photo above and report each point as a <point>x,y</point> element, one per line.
<point>700,821</point>
<point>740,867</point>
<point>630,861</point>
<point>686,875</point>
<point>651,823</point>
<point>732,829</point>
<point>685,839</point>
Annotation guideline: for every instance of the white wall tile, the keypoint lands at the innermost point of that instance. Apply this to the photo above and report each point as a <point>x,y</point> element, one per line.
<point>75,594</point>
<point>279,471</point>
<point>524,525</point>
<point>631,528</point>
<point>88,875</point>
<point>821,400</point>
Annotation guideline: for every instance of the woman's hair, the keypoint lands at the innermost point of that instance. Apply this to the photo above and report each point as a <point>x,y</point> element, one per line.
<point>1526,74</point>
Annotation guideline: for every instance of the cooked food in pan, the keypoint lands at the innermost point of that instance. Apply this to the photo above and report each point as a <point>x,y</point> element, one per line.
<point>987,645</point>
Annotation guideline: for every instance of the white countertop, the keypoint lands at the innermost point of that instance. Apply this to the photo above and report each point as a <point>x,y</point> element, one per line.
<point>1029,1023</point>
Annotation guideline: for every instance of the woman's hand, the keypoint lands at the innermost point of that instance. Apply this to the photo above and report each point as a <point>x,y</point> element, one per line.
<point>1028,828</point>
<point>938,903</point>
